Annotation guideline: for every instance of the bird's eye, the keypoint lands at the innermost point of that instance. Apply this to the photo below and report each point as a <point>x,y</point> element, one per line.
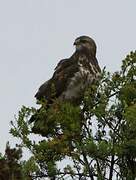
<point>83,41</point>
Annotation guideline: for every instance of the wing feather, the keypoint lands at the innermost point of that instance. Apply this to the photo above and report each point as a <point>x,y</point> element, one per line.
<point>59,81</point>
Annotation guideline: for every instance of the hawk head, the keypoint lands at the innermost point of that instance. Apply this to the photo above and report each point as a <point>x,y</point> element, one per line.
<point>85,44</point>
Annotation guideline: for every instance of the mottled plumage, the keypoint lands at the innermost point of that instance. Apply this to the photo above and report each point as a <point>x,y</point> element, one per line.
<point>72,76</point>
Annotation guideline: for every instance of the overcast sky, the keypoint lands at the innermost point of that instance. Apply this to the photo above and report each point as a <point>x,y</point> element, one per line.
<point>36,34</point>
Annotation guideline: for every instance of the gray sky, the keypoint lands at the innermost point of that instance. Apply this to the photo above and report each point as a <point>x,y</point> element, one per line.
<point>36,34</point>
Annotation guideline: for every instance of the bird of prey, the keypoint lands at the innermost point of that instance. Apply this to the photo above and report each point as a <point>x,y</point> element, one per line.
<point>71,78</point>
<point>73,75</point>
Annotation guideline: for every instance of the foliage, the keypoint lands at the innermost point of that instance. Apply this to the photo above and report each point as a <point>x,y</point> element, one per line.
<point>10,167</point>
<point>98,138</point>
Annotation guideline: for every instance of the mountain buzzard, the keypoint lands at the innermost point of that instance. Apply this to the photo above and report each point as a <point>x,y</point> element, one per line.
<point>71,78</point>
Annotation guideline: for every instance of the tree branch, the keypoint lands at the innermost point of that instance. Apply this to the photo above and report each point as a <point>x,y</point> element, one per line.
<point>88,166</point>
<point>111,167</point>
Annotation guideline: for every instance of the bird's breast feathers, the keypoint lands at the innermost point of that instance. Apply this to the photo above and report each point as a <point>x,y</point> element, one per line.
<point>80,80</point>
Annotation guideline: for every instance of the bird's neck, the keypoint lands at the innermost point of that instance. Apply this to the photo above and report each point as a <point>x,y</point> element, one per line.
<point>78,54</point>
<point>83,57</point>
<point>83,52</point>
